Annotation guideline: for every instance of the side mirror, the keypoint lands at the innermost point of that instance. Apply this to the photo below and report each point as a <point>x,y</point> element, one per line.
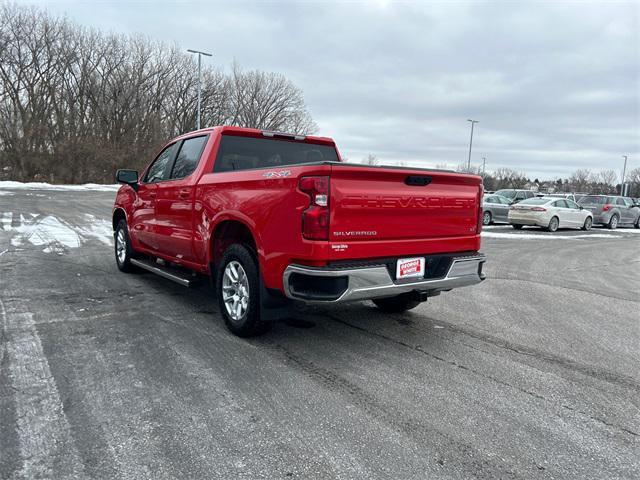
<point>128,177</point>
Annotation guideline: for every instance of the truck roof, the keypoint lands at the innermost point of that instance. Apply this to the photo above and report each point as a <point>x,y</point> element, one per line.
<point>254,132</point>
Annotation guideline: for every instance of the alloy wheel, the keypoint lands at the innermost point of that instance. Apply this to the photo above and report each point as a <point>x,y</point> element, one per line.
<point>235,290</point>
<point>121,246</point>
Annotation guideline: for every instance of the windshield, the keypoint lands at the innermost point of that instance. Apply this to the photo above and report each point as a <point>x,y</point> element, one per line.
<point>592,200</point>
<point>506,193</point>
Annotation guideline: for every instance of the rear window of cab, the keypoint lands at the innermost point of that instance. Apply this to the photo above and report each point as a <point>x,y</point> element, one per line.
<point>245,153</point>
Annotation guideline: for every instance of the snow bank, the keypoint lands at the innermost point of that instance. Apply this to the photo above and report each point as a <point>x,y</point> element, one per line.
<point>548,236</point>
<point>87,187</point>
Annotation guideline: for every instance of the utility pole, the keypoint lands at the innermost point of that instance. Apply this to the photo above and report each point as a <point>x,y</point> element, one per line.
<point>199,81</point>
<point>624,171</point>
<point>473,122</point>
<point>484,161</point>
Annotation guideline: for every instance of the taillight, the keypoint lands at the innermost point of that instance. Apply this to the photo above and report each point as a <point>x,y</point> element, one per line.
<point>607,207</point>
<point>315,219</point>
<point>480,209</point>
<point>539,209</point>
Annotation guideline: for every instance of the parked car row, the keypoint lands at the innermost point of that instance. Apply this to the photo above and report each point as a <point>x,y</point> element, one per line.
<point>523,208</point>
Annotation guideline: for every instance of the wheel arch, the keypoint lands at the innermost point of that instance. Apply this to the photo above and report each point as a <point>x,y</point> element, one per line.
<point>227,231</point>
<point>118,214</point>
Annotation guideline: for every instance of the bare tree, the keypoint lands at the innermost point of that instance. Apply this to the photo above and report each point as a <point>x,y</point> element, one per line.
<point>75,104</point>
<point>371,160</point>
<point>580,179</point>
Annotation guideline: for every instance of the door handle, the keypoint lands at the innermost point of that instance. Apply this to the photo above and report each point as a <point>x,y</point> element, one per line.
<point>184,193</point>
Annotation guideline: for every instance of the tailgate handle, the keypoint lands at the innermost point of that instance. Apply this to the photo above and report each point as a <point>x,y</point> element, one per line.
<point>418,180</point>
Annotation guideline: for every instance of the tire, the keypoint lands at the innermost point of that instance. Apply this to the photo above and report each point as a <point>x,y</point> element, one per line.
<point>554,223</point>
<point>486,218</point>
<point>588,223</point>
<point>637,224</point>
<point>122,248</point>
<point>516,226</point>
<point>613,222</point>
<point>238,290</point>
<point>397,304</point>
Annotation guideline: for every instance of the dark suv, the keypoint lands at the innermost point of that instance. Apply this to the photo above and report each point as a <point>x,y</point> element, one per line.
<point>515,195</point>
<point>612,210</point>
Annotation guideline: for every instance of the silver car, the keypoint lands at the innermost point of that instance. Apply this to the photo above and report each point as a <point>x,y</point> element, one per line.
<point>550,214</point>
<point>611,210</point>
<point>495,209</point>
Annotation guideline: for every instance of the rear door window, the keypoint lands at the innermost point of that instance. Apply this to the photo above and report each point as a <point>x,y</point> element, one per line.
<point>188,157</point>
<point>620,201</point>
<point>158,169</point>
<point>593,200</point>
<point>243,153</point>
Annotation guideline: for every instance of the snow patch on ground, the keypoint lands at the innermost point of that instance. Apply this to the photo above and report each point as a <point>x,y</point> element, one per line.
<point>53,234</point>
<point>5,193</point>
<point>94,187</point>
<point>97,228</point>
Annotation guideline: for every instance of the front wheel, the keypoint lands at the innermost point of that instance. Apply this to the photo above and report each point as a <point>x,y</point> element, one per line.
<point>553,224</point>
<point>587,223</point>
<point>397,304</point>
<point>238,289</point>
<point>124,251</point>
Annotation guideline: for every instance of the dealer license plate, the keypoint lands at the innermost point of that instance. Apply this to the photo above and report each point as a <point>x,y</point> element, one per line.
<point>410,267</point>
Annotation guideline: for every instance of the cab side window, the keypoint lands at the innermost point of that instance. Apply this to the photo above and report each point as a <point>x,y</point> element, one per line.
<point>188,157</point>
<point>157,170</point>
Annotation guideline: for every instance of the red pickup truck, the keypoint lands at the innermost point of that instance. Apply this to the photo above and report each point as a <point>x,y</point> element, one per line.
<point>274,218</point>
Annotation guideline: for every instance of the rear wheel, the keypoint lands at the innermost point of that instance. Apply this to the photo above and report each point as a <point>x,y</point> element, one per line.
<point>553,224</point>
<point>123,250</point>
<point>397,304</point>
<point>516,226</point>
<point>588,222</point>
<point>238,289</point>
<point>613,222</point>
<point>486,218</point>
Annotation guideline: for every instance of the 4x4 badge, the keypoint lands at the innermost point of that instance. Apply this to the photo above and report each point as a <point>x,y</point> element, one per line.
<point>278,174</point>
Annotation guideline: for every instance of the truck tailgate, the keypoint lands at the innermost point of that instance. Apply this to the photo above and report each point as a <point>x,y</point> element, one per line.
<point>382,204</point>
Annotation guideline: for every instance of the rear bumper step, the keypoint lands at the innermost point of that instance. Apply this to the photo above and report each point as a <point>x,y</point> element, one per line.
<point>332,285</point>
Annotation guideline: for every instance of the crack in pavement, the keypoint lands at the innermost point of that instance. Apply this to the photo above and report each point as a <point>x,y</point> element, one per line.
<point>453,363</point>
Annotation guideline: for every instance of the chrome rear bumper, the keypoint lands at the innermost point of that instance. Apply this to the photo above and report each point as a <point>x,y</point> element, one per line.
<point>376,281</point>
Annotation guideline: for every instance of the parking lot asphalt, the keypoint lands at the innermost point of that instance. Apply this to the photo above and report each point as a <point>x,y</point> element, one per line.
<point>535,373</point>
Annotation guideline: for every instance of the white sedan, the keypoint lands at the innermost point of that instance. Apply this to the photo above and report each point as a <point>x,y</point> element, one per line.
<point>550,213</point>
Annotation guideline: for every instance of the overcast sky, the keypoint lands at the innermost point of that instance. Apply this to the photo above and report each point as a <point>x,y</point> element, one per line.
<point>555,85</point>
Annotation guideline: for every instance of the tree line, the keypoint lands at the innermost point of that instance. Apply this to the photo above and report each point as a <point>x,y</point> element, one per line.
<point>76,103</point>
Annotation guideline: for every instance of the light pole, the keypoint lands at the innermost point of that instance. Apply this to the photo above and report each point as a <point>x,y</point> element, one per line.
<point>484,161</point>
<point>624,171</point>
<point>473,122</point>
<point>199,80</point>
